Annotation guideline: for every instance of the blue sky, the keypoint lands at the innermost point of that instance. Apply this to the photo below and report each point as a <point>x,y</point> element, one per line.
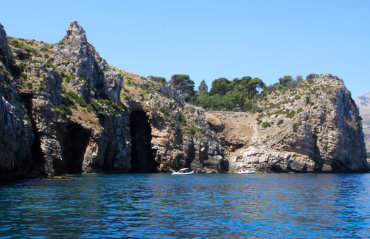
<point>212,39</point>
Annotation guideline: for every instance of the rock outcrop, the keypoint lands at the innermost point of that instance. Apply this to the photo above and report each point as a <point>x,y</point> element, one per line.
<point>64,109</point>
<point>15,130</point>
<point>80,115</point>
<point>313,128</point>
<point>363,103</point>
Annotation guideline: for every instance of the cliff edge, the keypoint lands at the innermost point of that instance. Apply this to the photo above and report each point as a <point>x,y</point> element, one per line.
<point>64,109</point>
<point>315,127</point>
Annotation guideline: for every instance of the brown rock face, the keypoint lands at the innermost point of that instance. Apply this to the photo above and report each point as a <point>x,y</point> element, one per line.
<point>313,128</point>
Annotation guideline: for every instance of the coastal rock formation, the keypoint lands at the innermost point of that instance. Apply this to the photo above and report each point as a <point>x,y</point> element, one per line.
<point>313,128</point>
<point>363,103</point>
<point>65,110</point>
<point>15,130</point>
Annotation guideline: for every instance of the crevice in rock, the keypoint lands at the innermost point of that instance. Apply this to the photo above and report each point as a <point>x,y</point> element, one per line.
<point>73,140</point>
<point>37,154</point>
<point>142,157</point>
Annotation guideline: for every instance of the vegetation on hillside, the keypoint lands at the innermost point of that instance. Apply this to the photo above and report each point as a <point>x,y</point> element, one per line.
<point>239,94</point>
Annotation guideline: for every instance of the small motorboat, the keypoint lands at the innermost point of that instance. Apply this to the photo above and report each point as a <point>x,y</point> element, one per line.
<point>246,171</point>
<point>183,171</point>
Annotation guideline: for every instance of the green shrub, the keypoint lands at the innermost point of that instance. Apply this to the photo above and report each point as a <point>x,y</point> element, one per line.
<point>158,79</point>
<point>129,82</point>
<point>43,49</point>
<point>89,108</point>
<point>16,43</point>
<point>72,96</point>
<point>280,122</point>
<point>16,69</point>
<point>96,106</point>
<point>68,79</point>
<point>299,110</point>
<point>127,97</point>
<point>23,75</point>
<point>81,101</point>
<point>64,110</point>
<point>266,124</point>
<point>296,125</point>
<point>291,114</point>
<point>117,106</point>
<point>164,111</point>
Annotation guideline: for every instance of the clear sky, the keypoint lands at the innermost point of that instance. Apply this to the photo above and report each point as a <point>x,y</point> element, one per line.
<point>211,39</point>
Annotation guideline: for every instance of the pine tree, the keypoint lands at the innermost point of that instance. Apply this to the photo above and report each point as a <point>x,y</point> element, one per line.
<point>203,87</point>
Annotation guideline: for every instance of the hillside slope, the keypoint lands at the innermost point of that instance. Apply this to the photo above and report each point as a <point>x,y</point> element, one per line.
<point>312,128</point>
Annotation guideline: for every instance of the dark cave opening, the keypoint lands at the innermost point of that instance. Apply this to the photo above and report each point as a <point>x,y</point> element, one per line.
<point>74,140</point>
<point>37,154</point>
<point>142,156</point>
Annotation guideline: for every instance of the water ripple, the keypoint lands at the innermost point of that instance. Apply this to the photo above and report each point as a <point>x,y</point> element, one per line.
<point>196,206</point>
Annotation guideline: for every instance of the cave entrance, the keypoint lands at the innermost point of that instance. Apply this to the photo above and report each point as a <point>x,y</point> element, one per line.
<point>142,157</point>
<point>74,140</point>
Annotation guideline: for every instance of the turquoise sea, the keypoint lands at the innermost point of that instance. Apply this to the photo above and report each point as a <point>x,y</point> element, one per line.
<point>193,206</point>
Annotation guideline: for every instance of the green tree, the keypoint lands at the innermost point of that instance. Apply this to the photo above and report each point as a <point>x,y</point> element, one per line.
<point>299,78</point>
<point>183,84</point>
<point>286,80</point>
<point>312,76</point>
<point>203,87</point>
<point>220,86</point>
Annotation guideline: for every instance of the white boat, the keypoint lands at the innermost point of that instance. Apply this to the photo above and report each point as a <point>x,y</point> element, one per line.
<point>246,171</point>
<point>183,171</point>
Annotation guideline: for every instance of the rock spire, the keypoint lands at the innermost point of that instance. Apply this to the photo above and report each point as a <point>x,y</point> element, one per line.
<point>75,31</point>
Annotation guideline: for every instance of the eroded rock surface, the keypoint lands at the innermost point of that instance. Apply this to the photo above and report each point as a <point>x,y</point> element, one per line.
<point>313,128</point>
<point>15,130</point>
<point>64,109</point>
<point>73,111</point>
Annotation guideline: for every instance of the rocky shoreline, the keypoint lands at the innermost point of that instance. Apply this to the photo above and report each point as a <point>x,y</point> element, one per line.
<point>64,109</point>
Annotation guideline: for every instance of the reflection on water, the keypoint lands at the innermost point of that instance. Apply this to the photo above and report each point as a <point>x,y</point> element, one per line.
<point>166,206</point>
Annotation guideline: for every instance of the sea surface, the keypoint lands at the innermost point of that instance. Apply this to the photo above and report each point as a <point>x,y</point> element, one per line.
<point>193,206</point>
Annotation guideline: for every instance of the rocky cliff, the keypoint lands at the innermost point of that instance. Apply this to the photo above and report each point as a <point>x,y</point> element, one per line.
<point>15,128</point>
<point>315,127</point>
<point>65,110</point>
<point>363,103</point>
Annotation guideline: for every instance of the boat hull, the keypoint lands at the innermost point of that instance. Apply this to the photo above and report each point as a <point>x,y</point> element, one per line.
<point>177,173</point>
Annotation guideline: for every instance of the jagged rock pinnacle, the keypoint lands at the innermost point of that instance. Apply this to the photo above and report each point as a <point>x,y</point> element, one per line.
<point>76,31</point>
<point>4,48</point>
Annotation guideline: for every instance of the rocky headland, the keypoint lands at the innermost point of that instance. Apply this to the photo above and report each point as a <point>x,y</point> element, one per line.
<point>64,109</point>
<point>315,127</point>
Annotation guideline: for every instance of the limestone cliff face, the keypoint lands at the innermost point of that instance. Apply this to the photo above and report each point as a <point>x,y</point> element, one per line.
<point>363,103</point>
<point>313,128</point>
<point>63,109</point>
<point>15,130</point>
<point>77,114</point>
<point>182,137</point>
